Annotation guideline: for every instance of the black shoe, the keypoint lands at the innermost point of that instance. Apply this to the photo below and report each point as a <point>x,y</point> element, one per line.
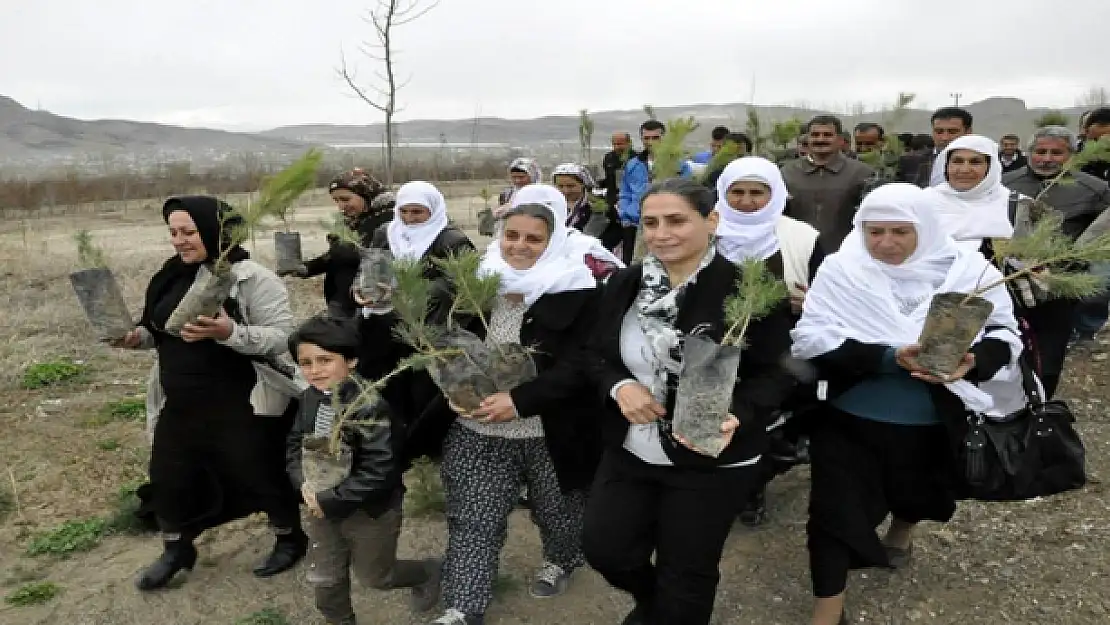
<point>288,551</point>
<point>754,513</point>
<point>177,555</point>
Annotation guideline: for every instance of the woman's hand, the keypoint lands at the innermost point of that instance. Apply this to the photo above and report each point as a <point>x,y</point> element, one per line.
<point>967,364</point>
<point>218,328</point>
<point>638,405</point>
<point>459,411</point>
<point>497,408</point>
<point>309,497</point>
<point>131,340</point>
<point>906,357</point>
<point>728,428</point>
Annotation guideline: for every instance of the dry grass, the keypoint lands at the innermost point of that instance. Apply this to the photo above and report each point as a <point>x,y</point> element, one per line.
<point>1035,562</point>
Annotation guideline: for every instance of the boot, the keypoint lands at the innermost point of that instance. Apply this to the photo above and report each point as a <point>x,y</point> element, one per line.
<point>178,554</point>
<point>290,546</point>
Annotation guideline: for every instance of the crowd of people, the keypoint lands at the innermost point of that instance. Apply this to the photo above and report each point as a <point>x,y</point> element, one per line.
<point>830,376</point>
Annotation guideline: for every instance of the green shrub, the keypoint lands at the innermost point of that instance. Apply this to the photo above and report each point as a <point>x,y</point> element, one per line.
<point>35,593</point>
<point>126,409</point>
<point>69,537</point>
<point>43,374</point>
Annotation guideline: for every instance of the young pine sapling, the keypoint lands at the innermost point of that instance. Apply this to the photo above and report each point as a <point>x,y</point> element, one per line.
<point>98,292</point>
<point>276,198</point>
<point>709,370</point>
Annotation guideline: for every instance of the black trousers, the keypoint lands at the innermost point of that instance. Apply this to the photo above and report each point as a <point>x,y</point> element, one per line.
<point>682,516</point>
<point>628,243</point>
<point>1052,323</point>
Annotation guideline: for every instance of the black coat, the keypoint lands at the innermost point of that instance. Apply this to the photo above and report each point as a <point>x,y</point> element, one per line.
<point>374,483</point>
<point>411,391</point>
<point>558,327</point>
<point>763,384</point>
<point>340,263</point>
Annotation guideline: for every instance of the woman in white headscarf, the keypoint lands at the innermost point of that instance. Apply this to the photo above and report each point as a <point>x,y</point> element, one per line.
<point>543,432</point>
<point>974,209</point>
<point>751,198</point>
<point>881,445</point>
<point>420,230</point>
<point>971,203</point>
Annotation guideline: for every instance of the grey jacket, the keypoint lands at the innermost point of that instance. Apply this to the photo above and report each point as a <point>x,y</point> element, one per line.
<point>1082,199</point>
<point>826,197</point>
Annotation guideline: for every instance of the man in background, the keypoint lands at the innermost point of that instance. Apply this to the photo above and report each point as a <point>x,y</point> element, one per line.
<point>949,123</point>
<point>868,137</point>
<point>612,166</point>
<point>716,140</point>
<point>1010,154</point>
<point>638,174</point>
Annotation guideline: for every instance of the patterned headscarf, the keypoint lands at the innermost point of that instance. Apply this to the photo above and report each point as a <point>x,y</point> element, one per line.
<point>359,182</point>
<point>578,171</point>
<point>528,166</point>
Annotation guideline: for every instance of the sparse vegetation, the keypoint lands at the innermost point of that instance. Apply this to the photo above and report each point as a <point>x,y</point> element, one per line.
<point>266,616</point>
<point>1052,118</point>
<point>53,372</point>
<point>107,444</point>
<point>122,519</point>
<point>70,537</point>
<point>126,409</point>
<point>34,593</point>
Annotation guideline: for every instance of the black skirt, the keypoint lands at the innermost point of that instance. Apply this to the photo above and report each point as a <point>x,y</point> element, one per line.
<point>864,470</point>
<point>214,461</point>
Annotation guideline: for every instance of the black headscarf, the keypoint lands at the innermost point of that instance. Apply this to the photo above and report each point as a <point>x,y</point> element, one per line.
<point>173,280</point>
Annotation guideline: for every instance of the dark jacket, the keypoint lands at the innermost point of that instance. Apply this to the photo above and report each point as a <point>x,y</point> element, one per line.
<point>762,385</point>
<point>410,392</point>
<point>581,213</point>
<point>451,241</point>
<point>1080,200</point>
<point>340,263</point>
<point>1018,162</point>
<point>374,484</point>
<point>612,166</point>
<point>558,327</point>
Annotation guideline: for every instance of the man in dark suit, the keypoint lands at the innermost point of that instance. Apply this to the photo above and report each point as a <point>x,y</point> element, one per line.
<point>1010,154</point>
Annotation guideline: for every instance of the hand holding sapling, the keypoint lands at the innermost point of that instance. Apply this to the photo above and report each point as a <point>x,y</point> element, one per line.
<point>497,408</point>
<point>218,328</point>
<point>728,428</point>
<point>131,340</point>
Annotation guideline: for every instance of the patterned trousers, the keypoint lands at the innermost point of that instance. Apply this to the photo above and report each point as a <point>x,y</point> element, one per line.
<point>482,476</point>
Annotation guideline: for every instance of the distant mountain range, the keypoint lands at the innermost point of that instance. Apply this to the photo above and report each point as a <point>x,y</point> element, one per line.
<point>40,138</point>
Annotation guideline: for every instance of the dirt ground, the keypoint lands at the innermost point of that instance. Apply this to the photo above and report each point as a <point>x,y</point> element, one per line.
<point>1036,562</point>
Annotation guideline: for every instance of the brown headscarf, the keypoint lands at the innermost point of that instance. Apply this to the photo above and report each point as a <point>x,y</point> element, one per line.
<point>359,182</point>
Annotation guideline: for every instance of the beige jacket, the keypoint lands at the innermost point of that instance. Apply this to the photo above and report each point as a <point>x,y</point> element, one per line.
<point>268,322</point>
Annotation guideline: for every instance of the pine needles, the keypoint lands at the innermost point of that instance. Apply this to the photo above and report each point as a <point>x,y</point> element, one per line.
<point>475,291</point>
<point>89,254</point>
<point>757,294</point>
<point>278,192</point>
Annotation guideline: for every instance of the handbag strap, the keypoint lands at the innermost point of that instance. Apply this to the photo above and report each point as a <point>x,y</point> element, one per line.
<point>1028,375</point>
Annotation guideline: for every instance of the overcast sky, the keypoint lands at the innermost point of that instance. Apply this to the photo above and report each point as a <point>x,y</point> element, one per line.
<point>254,64</point>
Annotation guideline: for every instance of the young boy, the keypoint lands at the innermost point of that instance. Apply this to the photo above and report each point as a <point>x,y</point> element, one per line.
<point>356,524</point>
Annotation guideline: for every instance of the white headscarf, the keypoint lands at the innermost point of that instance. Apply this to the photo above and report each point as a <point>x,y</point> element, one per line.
<point>555,270</point>
<point>413,241</point>
<point>979,213</point>
<point>740,235</point>
<point>855,296</point>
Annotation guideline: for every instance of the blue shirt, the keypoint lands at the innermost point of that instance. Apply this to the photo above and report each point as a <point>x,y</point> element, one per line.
<point>892,396</point>
<point>636,180</point>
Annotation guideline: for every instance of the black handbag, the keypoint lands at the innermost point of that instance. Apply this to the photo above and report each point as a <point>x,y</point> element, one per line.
<point>1035,452</point>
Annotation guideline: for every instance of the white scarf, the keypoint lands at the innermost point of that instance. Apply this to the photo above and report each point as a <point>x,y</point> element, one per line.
<point>556,270</point>
<point>857,297</point>
<point>740,235</point>
<point>979,213</point>
<point>412,242</point>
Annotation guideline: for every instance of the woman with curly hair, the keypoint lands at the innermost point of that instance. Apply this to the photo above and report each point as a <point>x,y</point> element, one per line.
<point>365,205</point>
